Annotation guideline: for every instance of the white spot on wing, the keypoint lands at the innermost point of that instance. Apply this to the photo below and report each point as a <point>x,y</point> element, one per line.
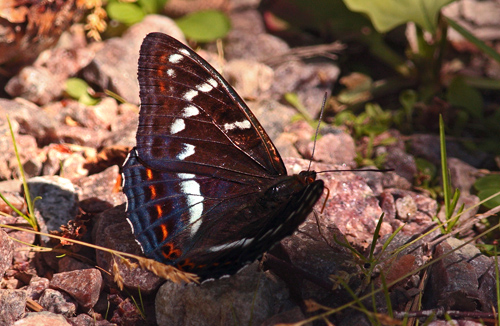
<point>238,243</point>
<point>186,175</point>
<point>170,72</point>
<point>175,58</point>
<point>205,88</point>
<point>213,82</point>
<point>189,95</point>
<point>185,52</point>
<point>191,188</point>
<point>190,111</point>
<point>187,151</point>
<point>177,126</point>
<point>131,225</point>
<point>245,124</point>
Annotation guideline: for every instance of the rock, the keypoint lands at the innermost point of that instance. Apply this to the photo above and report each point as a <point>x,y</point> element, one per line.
<point>58,302</point>
<point>36,84</point>
<point>294,315</point>
<point>454,282</point>
<point>406,208</point>
<point>114,67</point>
<point>178,8</point>
<point>414,209</point>
<point>427,147</point>
<point>309,81</point>
<point>462,175</point>
<point>66,160</point>
<point>13,303</point>
<point>68,264</point>
<point>246,296</point>
<point>103,186</point>
<point>71,283</point>
<point>127,312</point>
<point>44,80</point>
<point>333,148</point>
<point>471,207</point>
<point>86,320</point>
<point>403,163</point>
<point>351,207</point>
<point>59,201</point>
<point>19,253</point>
<point>244,45</point>
<point>272,115</point>
<point>36,287</point>
<point>113,231</point>
<point>31,119</point>
<point>6,252</point>
<point>41,319</point>
<point>251,79</point>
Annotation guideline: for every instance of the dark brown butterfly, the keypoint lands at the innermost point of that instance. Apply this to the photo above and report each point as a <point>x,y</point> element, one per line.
<point>207,190</point>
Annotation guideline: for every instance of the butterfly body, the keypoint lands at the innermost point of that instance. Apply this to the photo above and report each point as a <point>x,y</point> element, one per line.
<point>206,189</point>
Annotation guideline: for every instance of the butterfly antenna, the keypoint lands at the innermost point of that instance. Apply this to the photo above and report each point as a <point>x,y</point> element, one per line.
<point>317,129</point>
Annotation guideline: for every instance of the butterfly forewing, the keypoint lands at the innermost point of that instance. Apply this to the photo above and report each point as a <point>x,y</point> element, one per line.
<point>206,188</point>
<point>188,112</point>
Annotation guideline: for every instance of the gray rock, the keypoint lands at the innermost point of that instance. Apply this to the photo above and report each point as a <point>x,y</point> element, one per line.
<point>248,296</point>
<point>58,302</point>
<point>59,201</point>
<point>115,65</point>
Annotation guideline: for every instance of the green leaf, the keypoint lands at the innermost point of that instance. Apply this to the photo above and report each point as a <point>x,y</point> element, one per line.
<point>462,95</point>
<point>293,99</point>
<point>76,87</point>
<point>124,12</point>
<point>387,14</point>
<point>87,99</point>
<point>492,203</point>
<point>204,26</point>
<point>491,181</point>
<point>152,6</point>
<point>426,167</point>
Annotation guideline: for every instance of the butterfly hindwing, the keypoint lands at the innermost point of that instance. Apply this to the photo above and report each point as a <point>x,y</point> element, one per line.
<point>201,222</point>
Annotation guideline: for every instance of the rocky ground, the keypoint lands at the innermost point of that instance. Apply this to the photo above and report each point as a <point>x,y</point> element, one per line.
<point>72,154</point>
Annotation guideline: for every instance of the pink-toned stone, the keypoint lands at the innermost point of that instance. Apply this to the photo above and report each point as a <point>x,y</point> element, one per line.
<point>83,285</point>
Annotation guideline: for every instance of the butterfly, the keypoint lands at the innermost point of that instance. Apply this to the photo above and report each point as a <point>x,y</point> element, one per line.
<point>207,190</point>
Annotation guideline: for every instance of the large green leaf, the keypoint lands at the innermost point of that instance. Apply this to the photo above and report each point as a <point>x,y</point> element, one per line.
<point>125,12</point>
<point>152,6</point>
<point>462,95</point>
<point>387,14</point>
<point>204,26</point>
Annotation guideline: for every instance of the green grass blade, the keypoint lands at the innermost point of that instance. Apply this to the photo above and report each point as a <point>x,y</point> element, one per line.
<point>387,296</point>
<point>489,51</point>
<point>444,165</point>
<point>389,240</point>
<point>31,210</point>
<point>375,237</point>
<point>349,247</point>
<point>18,212</point>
